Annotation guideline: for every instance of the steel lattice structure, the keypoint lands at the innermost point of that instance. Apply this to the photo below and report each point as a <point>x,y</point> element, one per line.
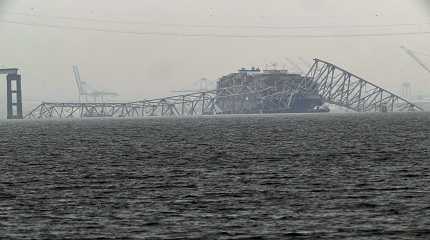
<point>79,110</point>
<point>332,83</point>
<point>340,87</point>
<point>202,103</point>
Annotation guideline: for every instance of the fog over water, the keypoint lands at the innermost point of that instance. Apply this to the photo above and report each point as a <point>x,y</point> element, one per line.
<point>143,49</point>
<point>224,176</point>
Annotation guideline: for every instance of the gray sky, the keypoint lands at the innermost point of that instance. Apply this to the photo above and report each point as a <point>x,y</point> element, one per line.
<point>143,65</point>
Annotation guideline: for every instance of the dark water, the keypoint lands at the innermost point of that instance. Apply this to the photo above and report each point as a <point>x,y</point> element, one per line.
<point>272,177</point>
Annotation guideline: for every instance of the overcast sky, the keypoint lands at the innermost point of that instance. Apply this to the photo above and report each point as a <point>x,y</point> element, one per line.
<point>143,48</point>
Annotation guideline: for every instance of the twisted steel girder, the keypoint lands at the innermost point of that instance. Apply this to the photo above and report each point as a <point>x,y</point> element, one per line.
<point>340,87</point>
<point>333,84</point>
<point>202,103</point>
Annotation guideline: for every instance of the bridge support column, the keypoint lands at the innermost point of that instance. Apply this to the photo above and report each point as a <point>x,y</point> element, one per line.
<point>14,96</point>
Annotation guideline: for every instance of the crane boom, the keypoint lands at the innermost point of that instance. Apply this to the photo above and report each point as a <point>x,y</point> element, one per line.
<point>415,58</point>
<point>295,65</point>
<point>77,79</point>
<point>306,63</point>
<point>85,90</point>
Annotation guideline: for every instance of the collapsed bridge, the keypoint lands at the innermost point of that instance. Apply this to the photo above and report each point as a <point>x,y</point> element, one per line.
<point>251,91</point>
<point>342,88</point>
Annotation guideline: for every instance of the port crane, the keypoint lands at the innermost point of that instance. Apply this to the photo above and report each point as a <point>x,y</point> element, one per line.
<point>85,91</point>
<point>295,65</point>
<point>416,58</point>
<point>413,55</point>
<point>334,84</point>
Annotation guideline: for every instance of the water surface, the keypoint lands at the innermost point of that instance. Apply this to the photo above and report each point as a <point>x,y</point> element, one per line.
<point>332,176</point>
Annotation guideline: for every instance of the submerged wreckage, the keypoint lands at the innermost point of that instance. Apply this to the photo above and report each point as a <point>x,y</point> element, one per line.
<point>251,91</point>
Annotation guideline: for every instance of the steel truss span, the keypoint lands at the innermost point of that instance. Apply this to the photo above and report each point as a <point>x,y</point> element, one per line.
<point>333,84</point>
<point>202,103</point>
<point>340,87</point>
<point>79,110</point>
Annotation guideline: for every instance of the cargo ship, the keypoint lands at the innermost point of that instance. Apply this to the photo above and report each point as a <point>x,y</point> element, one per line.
<point>255,91</point>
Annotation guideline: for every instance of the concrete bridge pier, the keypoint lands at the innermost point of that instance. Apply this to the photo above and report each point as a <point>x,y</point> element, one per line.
<point>14,93</point>
<point>14,97</point>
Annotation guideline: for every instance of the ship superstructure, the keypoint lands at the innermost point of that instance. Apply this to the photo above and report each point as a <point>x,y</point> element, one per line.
<point>250,91</point>
<point>265,91</point>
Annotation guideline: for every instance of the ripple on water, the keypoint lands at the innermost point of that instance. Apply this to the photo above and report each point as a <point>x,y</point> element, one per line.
<point>284,176</point>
